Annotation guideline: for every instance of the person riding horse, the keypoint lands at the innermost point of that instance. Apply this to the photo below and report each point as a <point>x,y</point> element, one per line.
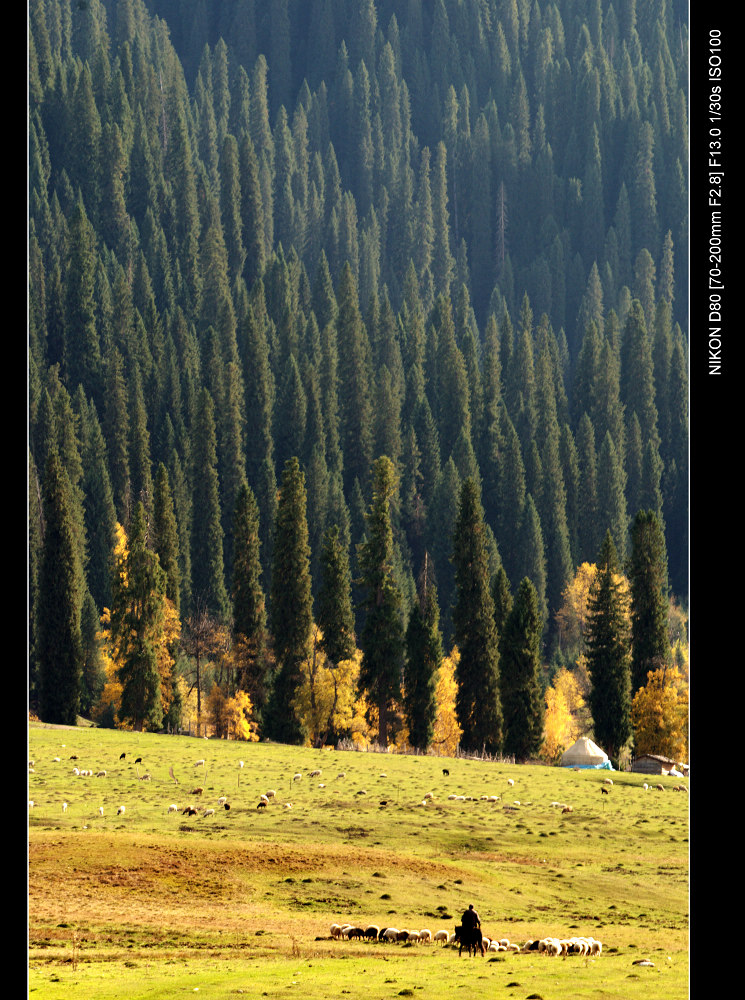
<point>470,931</point>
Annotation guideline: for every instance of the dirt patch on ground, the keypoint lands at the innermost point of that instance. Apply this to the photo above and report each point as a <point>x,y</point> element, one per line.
<point>100,882</point>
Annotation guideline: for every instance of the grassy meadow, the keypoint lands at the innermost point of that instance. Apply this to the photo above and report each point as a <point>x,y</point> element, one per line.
<point>152,904</point>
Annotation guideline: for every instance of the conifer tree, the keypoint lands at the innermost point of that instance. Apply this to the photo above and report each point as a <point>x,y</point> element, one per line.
<point>291,605</point>
<point>608,661</point>
<point>249,602</point>
<point>382,634</point>
<point>520,675</point>
<point>137,616</point>
<point>165,541</point>
<point>423,660</point>
<point>208,568</point>
<point>58,608</point>
<point>647,573</point>
<point>478,704</point>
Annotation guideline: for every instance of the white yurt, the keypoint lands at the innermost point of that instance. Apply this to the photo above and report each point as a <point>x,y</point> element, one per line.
<point>585,753</point>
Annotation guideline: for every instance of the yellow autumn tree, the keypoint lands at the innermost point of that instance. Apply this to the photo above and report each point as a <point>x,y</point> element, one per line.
<point>326,700</point>
<point>230,718</point>
<point>659,715</point>
<point>447,732</point>
<point>571,617</point>
<point>562,723</point>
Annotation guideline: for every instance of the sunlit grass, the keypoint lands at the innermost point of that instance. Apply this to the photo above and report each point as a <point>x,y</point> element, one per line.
<point>155,904</point>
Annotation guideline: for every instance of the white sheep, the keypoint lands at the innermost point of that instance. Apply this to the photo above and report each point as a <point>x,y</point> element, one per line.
<point>315,774</point>
<point>76,770</point>
<point>288,805</point>
<point>199,763</point>
<point>414,936</point>
<point>510,782</point>
<point>240,763</point>
<point>425,935</point>
<point>100,810</point>
<point>222,800</point>
<point>209,812</point>
<point>173,808</point>
<point>391,934</point>
<point>441,935</point>
<point>335,930</point>
<point>270,793</point>
<point>429,795</point>
<point>297,777</point>
<point>120,811</point>
<point>64,807</point>
<point>31,803</point>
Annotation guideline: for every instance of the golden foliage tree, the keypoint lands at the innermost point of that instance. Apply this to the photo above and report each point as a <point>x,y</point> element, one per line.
<point>447,731</point>
<point>564,707</point>
<point>659,715</point>
<point>230,717</point>
<point>326,700</point>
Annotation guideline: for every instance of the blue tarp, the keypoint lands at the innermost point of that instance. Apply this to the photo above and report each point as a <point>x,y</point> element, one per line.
<point>605,766</point>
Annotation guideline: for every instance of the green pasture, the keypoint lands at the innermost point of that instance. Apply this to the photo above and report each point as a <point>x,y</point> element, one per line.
<point>153,904</point>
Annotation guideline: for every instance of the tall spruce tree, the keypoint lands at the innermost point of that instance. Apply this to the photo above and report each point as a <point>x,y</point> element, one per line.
<point>477,702</point>
<point>608,660</point>
<point>58,607</point>
<point>291,605</point>
<point>521,690</point>
<point>647,573</point>
<point>137,615</point>
<point>249,602</point>
<point>382,635</point>
<point>423,659</point>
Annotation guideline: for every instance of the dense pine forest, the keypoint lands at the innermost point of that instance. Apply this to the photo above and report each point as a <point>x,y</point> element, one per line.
<point>329,303</point>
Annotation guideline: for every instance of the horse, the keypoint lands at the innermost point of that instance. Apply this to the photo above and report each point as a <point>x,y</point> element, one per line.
<point>470,938</point>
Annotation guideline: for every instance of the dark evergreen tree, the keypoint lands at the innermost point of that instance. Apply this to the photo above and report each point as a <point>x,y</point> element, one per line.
<point>521,690</point>
<point>57,614</point>
<point>477,703</point>
<point>249,603</point>
<point>423,659</point>
<point>291,605</point>
<point>208,568</point>
<point>608,660</point>
<point>647,573</point>
<point>136,619</point>
<point>382,634</point>
<point>165,536</point>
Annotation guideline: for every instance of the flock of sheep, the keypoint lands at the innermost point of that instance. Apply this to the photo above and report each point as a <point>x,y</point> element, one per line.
<point>544,946</point>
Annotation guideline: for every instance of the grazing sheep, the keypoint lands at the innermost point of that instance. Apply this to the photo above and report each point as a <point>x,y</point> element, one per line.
<point>173,808</point>
<point>222,800</point>
<point>288,805</point>
<point>190,811</point>
<point>414,936</point>
<point>100,810</point>
<point>391,934</point>
<point>314,774</point>
<point>372,931</point>
<point>138,760</point>
<point>510,782</point>
<point>264,799</point>
<point>402,936</point>
<point>567,809</point>
<point>270,794</point>
<point>428,795</point>
<point>122,756</point>
<point>101,774</point>
<point>30,804</point>
<point>261,805</point>
<point>355,932</point>
<point>296,777</point>
<point>226,806</point>
<point>199,763</point>
<point>604,790</point>
<point>342,774</point>
<point>76,770</point>
<point>445,772</point>
<point>64,807</point>
<point>209,812</point>
<point>240,763</point>
<point>197,791</point>
<point>335,930</point>
<point>660,788</point>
